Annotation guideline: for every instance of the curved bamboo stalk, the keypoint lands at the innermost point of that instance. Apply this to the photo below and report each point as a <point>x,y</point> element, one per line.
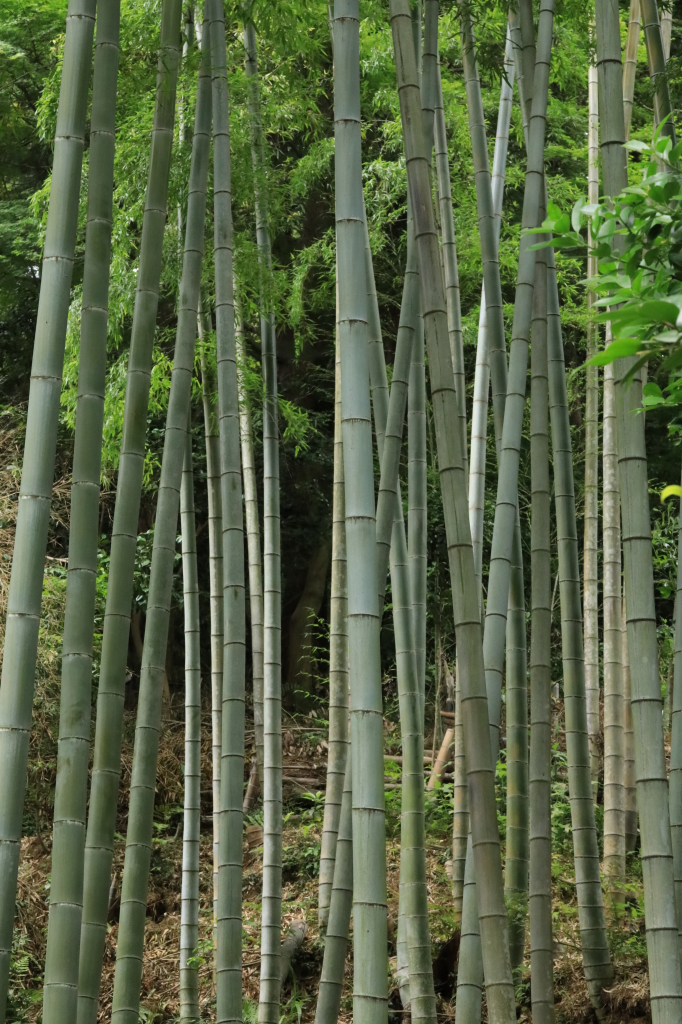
<point>369,850</point>
<point>229,916</point>
<point>630,63</point>
<point>130,947</point>
<point>614,791</point>
<point>340,905</point>
<point>99,841</point>
<point>652,788</point>
<point>253,546</point>
<point>657,69</point>
<point>26,583</point>
<point>486,847</point>
<point>676,748</point>
<point>338,680</point>
<point>60,993</point>
<point>215,562</point>
<point>593,938</point>
<point>189,914</point>
<point>268,1009</point>
<point>591,530</point>
<point>540,787</point>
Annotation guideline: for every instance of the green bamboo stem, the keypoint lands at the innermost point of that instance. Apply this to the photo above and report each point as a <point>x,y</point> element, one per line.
<point>516,863</point>
<point>189,913</point>
<point>254,548</point>
<point>630,63</point>
<point>657,67</point>
<point>340,905</point>
<point>99,842</point>
<point>591,532</point>
<point>540,787</point>
<point>268,1010</point>
<point>23,606</point>
<point>593,938</point>
<point>652,788</point>
<point>676,748</point>
<point>631,816</point>
<point>229,916</point>
<point>460,823</point>
<point>60,993</point>
<point>614,791</point>
<point>215,562</point>
<point>480,773</point>
<point>479,416</point>
<point>369,849</point>
<point>417,513</point>
<point>338,676</point>
<point>130,947</point>
<point>488,225</point>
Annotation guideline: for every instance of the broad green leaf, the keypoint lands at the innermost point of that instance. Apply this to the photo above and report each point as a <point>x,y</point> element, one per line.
<point>616,350</point>
<point>636,145</point>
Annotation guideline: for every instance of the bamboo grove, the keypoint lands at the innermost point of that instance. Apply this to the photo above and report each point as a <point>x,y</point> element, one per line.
<point>495,582</point>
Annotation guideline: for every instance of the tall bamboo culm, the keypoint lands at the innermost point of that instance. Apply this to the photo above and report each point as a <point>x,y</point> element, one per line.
<point>189,913</point>
<point>369,849</point>
<point>591,531</point>
<point>631,817</point>
<point>614,724</point>
<point>99,842</point>
<point>268,1010</point>
<point>253,542</point>
<point>130,947</point>
<point>652,786</point>
<point>493,918</point>
<point>209,393</point>
<point>338,671</point>
<point>657,66</point>
<point>23,606</point>
<point>630,62</point>
<point>540,788</point>
<point>60,994</point>
<point>229,911</point>
<point>676,748</point>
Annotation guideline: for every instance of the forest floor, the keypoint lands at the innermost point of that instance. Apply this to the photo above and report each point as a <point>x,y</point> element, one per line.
<point>304,764</point>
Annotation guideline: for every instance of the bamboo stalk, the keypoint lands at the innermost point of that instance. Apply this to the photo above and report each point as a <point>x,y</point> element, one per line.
<point>369,850</point>
<point>130,946</point>
<point>657,67</point>
<point>630,63</point>
<point>99,841</point>
<point>189,913</point>
<point>676,748</point>
<point>338,677</point>
<point>60,993</point>
<point>229,909</point>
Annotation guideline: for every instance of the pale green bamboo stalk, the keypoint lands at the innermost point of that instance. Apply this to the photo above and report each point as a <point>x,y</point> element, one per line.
<point>479,416</point>
<point>516,863</point>
<point>540,762</point>
<point>369,849</point>
<point>657,69</point>
<point>189,913</point>
<point>340,905</point>
<point>591,529</point>
<point>254,549</point>
<point>493,919</point>
<point>23,606</point>
<point>338,676</point>
<point>417,515</point>
<point>460,823</point>
<point>676,748</point>
<point>631,816</point>
<point>592,922</point>
<point>229,916</point>
<point>665,978</point>
<point>60,993</point>
<point>614,791</point>
<point>630,63</point>
<point>99,841</point>
<point>215,563</point>
<point>268,1010</point>
<point>130,946</point>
